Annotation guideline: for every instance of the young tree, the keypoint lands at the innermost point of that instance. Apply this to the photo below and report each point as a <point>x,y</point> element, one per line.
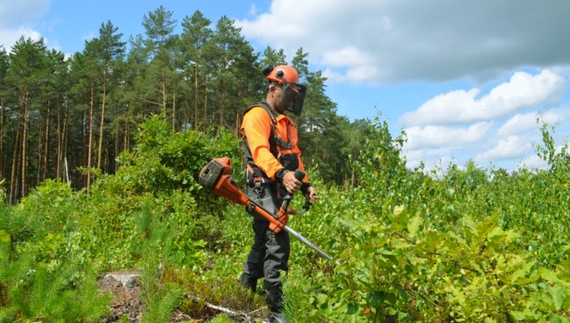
<point>136,90</point>
<point>272,57</point>
<point>62,89</point>
<point>234,65</point>
<point>195,36</point>
<point>52,91</point>
<point>83,74</point>
<point>161,46</point>
<point>108,52</point>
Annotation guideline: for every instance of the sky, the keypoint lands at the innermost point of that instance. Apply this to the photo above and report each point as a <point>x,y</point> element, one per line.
<point>464,80</point>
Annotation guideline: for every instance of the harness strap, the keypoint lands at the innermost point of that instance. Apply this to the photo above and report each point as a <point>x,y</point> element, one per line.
<point>275,140</point>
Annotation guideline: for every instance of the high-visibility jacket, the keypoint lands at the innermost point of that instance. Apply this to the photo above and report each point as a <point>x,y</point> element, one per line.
<point>270,136</point>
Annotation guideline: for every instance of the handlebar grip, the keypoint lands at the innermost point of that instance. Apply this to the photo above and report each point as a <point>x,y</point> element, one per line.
<point>299,174</point>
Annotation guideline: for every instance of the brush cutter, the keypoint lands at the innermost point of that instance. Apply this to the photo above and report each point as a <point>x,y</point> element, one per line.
<point>216,176</point>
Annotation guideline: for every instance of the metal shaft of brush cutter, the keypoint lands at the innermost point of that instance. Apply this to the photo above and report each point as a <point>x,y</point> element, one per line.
<point>286,200</point>
<point>309,243</point>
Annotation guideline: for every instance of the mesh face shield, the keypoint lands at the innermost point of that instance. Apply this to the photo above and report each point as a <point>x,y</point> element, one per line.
<point>293,97</point>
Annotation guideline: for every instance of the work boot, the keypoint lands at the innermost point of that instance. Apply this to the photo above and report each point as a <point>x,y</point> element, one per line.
<point>274,300</point>
<point>275,317</point>
<point>248,282</point>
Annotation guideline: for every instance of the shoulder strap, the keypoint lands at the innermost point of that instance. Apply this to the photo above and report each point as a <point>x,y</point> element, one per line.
<point>274,139</point>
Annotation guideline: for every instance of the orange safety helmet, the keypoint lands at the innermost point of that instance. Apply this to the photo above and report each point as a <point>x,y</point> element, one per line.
<point>294,93</point>
<point>281,73</point>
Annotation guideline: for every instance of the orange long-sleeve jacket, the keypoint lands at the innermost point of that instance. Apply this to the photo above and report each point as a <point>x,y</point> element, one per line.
<point>256,129</point>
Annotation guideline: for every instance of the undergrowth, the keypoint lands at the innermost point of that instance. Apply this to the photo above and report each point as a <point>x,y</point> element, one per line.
<point>461,245</point>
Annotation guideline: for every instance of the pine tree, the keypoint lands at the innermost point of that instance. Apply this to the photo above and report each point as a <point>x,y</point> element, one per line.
<point>28,70</point>
<point>233,63</point>
<point>4,65</point>
<point>160,43</point>
<point>196,35</point>
<point>107,52</point>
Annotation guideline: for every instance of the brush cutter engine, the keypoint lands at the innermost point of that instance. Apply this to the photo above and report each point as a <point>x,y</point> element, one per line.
<point>216,176</point>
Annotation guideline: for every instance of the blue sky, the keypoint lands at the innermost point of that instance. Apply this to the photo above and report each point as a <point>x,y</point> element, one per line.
<point>464,79</point>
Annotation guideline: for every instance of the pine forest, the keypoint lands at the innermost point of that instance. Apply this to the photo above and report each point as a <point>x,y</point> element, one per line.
<point>100,154</point>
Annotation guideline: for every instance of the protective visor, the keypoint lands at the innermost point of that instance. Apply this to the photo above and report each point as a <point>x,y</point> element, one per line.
<point>294,97</point>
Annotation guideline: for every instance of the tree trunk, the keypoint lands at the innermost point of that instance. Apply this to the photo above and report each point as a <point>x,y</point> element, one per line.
<point>102,126</point>
<point>127,127</point>
<point>223,106</point>
<point>40,150</point>
<point>195,125</point>
<point>46,145</point>
<point>2,155</point>
<point>15,160</point>
<point>64,144</point>
<point>24,157</point>
<point>117,143</point>
<point>90,135</point>
<point>58,144</point>
<point>205,114</point>
<point>174,111</point>
<point>164,94</point>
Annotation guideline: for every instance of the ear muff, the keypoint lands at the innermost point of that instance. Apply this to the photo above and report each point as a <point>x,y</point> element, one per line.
<point>267,69</point>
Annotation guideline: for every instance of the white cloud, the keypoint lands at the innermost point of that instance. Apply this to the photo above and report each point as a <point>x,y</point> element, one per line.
<point>510,148</point>
<point>17,19</point>
<point>252,10</point>
<point>523,122</point>
<point>533,162</point>
<point>438,136</point>
<point>395,41</point>
<point>8,37</point>
<point>14,14</point>
<point>432,159</point>
<point>522,91</point>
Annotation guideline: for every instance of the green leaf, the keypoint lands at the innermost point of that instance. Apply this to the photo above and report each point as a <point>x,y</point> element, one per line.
<point>414,225</point>
<point>322,298</point>
<point>398,210</point>
<point>376,298</point>
<point>4,236</point>
<point>557,293</point>
<point>400,244</point>
<point>522,271</point>
<point>351,309</point>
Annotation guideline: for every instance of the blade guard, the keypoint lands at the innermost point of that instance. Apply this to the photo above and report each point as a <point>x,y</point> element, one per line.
<point>216,176</point>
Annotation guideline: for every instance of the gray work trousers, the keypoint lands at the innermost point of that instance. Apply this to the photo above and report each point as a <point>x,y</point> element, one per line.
<point>269,253</point>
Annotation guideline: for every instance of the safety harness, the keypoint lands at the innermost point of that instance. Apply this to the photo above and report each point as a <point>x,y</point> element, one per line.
<point>263,190</point>
<point>276,144</point>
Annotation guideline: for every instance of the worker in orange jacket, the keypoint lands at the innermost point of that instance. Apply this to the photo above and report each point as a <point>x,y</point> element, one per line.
<point>272,154</point>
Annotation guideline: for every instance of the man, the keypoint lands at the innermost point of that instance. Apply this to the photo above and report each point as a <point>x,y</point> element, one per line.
<point>272,154</point>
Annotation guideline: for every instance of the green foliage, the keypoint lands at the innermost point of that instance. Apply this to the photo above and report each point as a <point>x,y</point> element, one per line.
<point>221,319</point>
<point>154,249</point>
<point>146,216</point>
<point>53,292</point>
<point>80,111</point>
<point>460,245</point>
<point>460,248</point>
<point>163,172</point>
<point>41,275</point>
